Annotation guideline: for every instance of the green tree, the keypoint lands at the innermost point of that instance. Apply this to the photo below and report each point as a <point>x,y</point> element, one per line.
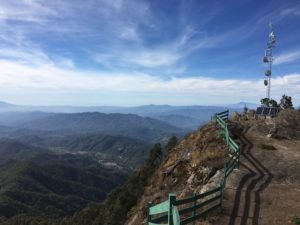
<point>273,103</point>
<point>155,154</point>
<point>286,102</point>
<point>265,101</point>
<point>172,142</point>
<point>269,102</point>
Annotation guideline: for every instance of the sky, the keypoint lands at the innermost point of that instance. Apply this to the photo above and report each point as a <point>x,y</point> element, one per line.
<point>136,52</point>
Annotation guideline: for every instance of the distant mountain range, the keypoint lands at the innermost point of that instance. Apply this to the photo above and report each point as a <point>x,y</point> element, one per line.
<point>130,125</point>
<point>189,117</point>
<point>5,107</point>
<point>120,140</point>
<point>241,105</point>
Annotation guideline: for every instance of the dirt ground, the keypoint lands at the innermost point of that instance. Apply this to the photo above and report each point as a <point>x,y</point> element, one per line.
<point>265,190</point>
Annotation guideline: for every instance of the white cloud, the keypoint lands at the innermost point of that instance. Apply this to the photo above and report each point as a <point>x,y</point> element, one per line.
<point>118,22</point>
<point>31,56</point>
<point>196,90</point>
<point>291,11</point>
<point>25,66</point>
<point>130,33</point>
<point>158,56</point>
<point>153,58</point>
<point>26,11</point>
<point>64,62</point>
<point>287,57</point>
<point>114,21</point>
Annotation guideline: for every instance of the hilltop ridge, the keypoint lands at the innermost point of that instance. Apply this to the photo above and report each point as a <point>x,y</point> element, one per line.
<point>196,164</point>
<point>192,167</point>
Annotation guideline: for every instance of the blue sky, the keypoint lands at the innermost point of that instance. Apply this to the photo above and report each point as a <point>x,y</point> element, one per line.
<point>114,52</point>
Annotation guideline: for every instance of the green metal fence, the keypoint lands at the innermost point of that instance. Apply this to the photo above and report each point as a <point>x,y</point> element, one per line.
<point>184,211</point>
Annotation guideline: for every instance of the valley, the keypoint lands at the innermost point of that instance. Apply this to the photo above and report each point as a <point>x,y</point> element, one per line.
<point>53,165</point>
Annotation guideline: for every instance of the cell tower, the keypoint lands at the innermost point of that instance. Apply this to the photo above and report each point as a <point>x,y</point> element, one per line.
<point>268,58</point>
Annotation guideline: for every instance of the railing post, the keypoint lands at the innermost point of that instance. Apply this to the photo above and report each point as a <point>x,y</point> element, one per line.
<point>223,183</point>
<point>226,134</point>
<point>172,200</point>
<point>148,211</point>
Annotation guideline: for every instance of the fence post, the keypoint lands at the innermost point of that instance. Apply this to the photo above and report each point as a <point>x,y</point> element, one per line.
<point>148,212</point>
<point>226,134</point>
<point>223,184</point>
<point>172,200</point>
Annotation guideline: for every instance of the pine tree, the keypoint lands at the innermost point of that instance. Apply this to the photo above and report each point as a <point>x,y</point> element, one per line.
<point>155,154</point>
<point>171,143</point>
<point>286,102</point>
<point>264,101</point>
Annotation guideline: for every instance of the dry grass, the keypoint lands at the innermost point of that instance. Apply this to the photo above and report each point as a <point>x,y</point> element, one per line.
<point>188,166</point>
<point>201,158</point>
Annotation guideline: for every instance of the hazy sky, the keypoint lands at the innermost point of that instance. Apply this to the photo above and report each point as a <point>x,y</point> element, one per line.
<point>134,52</point>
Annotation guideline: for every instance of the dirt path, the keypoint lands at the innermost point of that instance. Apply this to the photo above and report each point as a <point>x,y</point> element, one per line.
<point>266,187</point>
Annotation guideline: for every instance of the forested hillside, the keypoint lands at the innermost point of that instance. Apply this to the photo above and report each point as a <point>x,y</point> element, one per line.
<point>38,183</point>
<point>123,151</point>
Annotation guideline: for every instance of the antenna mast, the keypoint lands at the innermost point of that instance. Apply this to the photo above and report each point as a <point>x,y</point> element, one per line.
<point>268,58</point>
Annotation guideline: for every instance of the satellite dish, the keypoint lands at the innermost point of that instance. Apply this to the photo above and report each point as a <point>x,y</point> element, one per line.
<point>266,59</point>
<point>265,82</point>
<point>268,72</point>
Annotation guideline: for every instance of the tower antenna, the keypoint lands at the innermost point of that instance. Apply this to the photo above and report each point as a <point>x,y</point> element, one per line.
<point>268,59</point>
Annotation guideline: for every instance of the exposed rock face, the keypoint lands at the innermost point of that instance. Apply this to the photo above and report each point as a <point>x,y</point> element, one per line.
<point>193,166</point>
<point>213,182</point>
<point>235,116</point>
